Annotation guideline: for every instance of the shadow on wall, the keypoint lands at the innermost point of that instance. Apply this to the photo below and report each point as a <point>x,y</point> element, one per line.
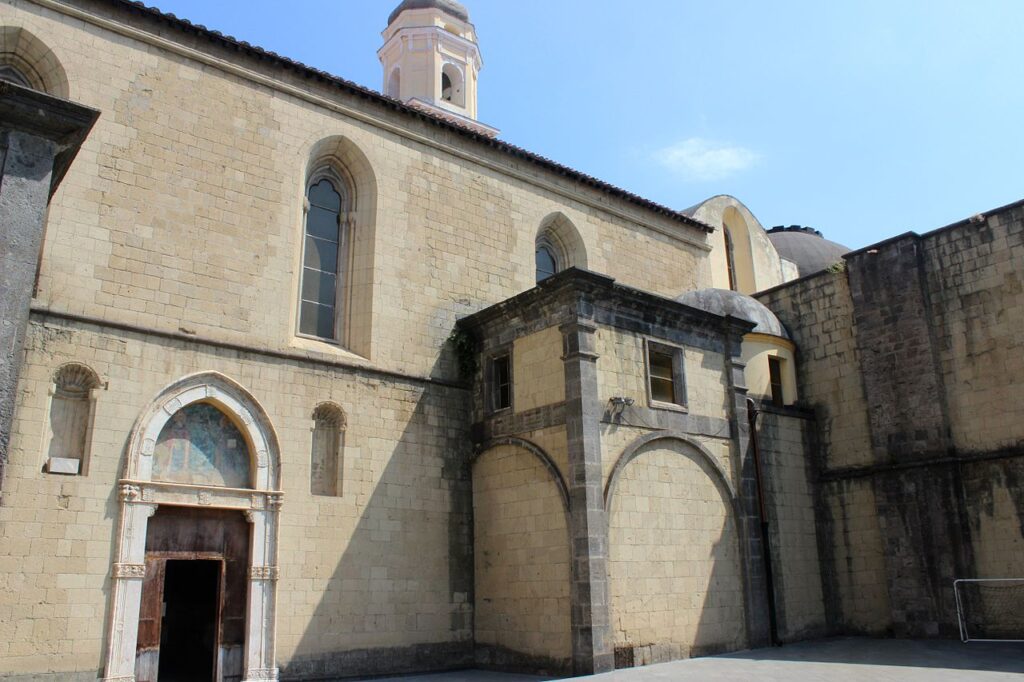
<point>675,568</point>
<point>398,597</point>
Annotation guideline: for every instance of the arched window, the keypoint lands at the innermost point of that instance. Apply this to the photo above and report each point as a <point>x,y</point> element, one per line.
<point>27,61</point>
<point>13,75</point>
<point>70,420</point>
<point>730,258</point>
<point>452,89</point>
<point>547,263</point>
<point>325,257</point>
<point>558,246</point>
<point>325,470</point>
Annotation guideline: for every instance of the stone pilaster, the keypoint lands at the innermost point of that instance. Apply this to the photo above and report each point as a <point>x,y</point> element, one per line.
<point>749,518</point>
<point>127,576</point>
<point>592,645</point>
<point>38,137</point>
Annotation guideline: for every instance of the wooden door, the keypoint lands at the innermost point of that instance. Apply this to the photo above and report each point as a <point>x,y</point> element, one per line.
<point>147,658</point>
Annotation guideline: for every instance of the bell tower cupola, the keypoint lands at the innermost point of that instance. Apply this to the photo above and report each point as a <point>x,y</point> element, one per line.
<point>431,60</point>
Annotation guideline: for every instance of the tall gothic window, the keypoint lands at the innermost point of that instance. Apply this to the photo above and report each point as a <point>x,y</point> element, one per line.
<point>70,419</point>
<point>325,457</point>
<point>325,258</point>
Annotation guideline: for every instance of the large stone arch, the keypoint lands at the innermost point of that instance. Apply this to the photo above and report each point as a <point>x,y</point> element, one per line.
<point>631,451</point>
<point>522,558</point>
<point>677,579</point>
<point>140,496</point>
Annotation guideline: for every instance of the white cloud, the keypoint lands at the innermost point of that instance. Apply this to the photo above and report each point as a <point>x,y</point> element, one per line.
<point>699,159</point>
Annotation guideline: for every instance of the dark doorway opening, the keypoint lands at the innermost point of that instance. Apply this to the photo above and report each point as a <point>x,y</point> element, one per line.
<point>188,632</point>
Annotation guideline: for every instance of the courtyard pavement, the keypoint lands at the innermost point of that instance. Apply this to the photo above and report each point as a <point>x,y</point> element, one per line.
<point>841,659</point>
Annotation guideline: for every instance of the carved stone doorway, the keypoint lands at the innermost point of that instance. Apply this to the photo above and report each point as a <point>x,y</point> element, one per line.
<point>201,482</point>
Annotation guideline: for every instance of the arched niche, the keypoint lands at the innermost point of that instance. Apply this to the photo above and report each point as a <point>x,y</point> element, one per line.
<point>326,463</point>
<point>140,495</point>
<point>68,436</point>
<point>30,62</point>
<point>342,159</point>
<point>736,245</point>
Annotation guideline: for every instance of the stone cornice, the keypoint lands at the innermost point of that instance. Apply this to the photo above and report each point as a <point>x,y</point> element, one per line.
<point>36,113</point>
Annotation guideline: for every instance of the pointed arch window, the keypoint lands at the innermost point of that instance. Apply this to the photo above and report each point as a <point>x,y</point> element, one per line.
<point>549,256</point>
<point>547,264</point>
<point>325,267</point>
<point>11,74</point>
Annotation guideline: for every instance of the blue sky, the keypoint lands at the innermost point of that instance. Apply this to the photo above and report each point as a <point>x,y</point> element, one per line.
<point>863,119</point>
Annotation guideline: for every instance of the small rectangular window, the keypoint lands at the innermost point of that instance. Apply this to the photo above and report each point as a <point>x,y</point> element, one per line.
<point>501,382</point>
<point>665,374</point>
<point>775,378</point>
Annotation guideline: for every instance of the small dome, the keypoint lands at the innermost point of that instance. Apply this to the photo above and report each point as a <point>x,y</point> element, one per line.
<point>735,304</point>
<point>450,7</point>
<point>806,247</point>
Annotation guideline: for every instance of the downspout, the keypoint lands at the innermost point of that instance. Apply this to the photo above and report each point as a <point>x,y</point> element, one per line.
<point>766,552</point>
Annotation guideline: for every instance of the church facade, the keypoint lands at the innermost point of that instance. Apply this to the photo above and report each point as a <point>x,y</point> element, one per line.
<point>320,382</point>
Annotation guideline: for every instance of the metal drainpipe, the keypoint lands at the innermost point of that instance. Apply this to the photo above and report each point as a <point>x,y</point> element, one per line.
<point>773,625</point>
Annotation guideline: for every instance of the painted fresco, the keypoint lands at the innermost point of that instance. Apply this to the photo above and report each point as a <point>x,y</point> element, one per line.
<point>200,445</point>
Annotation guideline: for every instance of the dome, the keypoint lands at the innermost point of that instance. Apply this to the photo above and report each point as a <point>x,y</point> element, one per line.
<point>806,247</point>
<point>735,304</point>
<point>449,7</point>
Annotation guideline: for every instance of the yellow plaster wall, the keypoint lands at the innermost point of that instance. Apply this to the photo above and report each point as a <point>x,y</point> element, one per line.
<point>756,350</point>
<point>538,370</point>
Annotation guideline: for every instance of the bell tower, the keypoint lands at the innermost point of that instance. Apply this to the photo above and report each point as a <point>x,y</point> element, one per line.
<point>431,60</point>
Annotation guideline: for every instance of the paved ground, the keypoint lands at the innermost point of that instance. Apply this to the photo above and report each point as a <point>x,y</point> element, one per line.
<point>844,659</point>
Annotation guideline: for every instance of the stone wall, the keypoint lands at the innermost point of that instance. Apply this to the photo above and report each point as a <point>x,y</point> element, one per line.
<point>911,361</point>
<point>521,553</point>
<point>187,153</point>
<point>174,246</point>
<point>787,446</point>
<point>676,578</point>
<point>379,578</point>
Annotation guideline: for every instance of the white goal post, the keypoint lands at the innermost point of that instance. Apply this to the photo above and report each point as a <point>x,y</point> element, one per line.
<point>990,609</point>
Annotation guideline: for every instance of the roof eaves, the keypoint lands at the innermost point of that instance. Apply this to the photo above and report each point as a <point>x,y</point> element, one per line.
<point>372,95</point>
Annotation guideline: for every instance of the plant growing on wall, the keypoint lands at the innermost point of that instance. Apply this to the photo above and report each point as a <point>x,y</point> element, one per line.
<point>464,345</point>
